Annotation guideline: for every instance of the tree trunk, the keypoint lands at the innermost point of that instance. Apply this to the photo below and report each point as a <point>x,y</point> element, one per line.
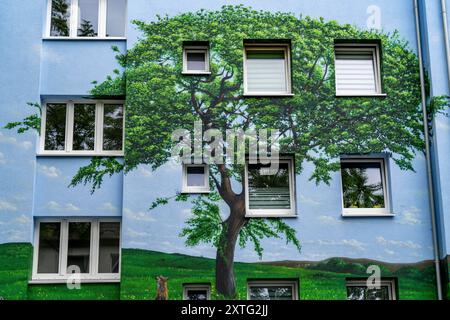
<point>225,280</point>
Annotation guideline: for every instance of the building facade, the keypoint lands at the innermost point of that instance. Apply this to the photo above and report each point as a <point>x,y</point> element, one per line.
<point>95,93</point>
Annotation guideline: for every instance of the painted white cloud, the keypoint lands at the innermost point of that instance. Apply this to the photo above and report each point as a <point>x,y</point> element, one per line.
<point>398,243</point>
<point>308,201</point>
<point>22,219</point>
<point>138,216</point>
<point>145,172</point>
<point>131,233</point>
<point>108,206</point>
<point>55,206</point>
<point>352,243</point>
<point>13,141</point>
<point>389,252</point>
<point>330,220</point>
<point>49,171</point>
<point>2,158</point>
<point>7,206</point>
<point>409,216</point>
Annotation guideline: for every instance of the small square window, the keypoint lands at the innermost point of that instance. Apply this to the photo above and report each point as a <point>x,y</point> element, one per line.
<point>267,70</point>
<point>357,70</point>
<point>364,187</point>
<point>195,178</point>
<point>270,191</point>
<point>272,290</point>
<point>195,60</point>
<point>358,290</point>
<point>197,292</point>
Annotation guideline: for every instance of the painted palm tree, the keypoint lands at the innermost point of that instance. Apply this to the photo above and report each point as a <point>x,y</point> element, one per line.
<point>358,192</point>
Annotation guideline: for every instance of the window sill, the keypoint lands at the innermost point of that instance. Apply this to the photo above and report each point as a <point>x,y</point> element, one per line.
<point>71,154</point>
<point>255,95</point>
<point>367,214</point>
<point>204,191</point>
<point>196,73</point>
<point>65,280</point>
<point>84,38</point>
<point>357,95</point>
<point>270,215</point>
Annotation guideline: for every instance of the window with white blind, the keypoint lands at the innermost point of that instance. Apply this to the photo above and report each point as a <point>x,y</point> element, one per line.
<point>195,178</point>
<point>357,69</point>
<point>270,190</point>
<point>267,70</point>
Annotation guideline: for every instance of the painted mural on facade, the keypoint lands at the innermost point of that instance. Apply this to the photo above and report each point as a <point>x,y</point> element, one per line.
<point>193,239</point>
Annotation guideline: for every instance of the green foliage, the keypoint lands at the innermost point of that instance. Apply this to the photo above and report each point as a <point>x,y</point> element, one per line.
<point>60,18</point>
<point>31,122</point>
<point>358,192</point>
<point>86,29</point>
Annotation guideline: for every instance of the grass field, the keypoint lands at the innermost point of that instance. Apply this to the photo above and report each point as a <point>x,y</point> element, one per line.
<point>325,280</point>
<point>139,268</point>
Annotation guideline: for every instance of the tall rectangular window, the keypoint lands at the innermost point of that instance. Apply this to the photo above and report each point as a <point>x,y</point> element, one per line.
<point>364,186</point>
<point>267,70</point>
<point>357,70</point>
<point>270,191</point>
<point>84,128</point>
<point>55,126</point>
<point>89,247</point>
<point>115,18</point>
<point>88,18</point>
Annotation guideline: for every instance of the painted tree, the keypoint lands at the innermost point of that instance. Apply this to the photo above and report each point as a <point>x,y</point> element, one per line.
<point>60,18</point>
<point>315,125</point>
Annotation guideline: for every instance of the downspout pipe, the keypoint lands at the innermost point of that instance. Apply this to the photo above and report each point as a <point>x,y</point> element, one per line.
<point>446,40</point>
<point>427,155</point>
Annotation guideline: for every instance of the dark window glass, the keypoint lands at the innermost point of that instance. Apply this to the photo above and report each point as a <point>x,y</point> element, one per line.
<point>49,239</point>
<point>87,18</point>
<point>108,259</point>
<point>271,293</point>
<point>364,293</point>
<point>84,127</point>
<point>60,18</point>
<point>115,18</point>
<point>362,185</point>
<point>79,246</point>
<point>196,294</point>
<point>267,189</point>
<point>55,126</point>
<point>196,176</point>
<point>113,127</point>
<point>196,61</point>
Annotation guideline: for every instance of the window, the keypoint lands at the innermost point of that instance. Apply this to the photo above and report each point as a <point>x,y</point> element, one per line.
<point>267,70</point>
<point>195,60</point>
<point>357,69</point>
<point>195,178</point>
<point>270,191</point>
<point>88,246</point>
<point>357,289</point>
<point>86,18</point>
<point>85,128</point>
<point>197,291</point>
<point>272,290</point>
<point>364,187</point>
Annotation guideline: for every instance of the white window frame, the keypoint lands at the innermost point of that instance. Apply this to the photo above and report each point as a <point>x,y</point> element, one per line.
<point>274,283</point>
<point>359,48</point>
<point>62,276</point>
<point>196,49</point>
<point>199,189</point>
<point>73,22</point>
<point>368,212</point>
<point>263,47</point>
<point>196,286</point>
<point>390,283</point>
<point>98,140</point>
<point>267,213</point>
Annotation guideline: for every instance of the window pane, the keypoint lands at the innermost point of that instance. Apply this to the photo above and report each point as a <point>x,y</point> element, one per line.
<point>195,176</point>
<point>266,71</point>
<point>108,256</point>
<point>271,293</point>
<point>197,294</point>
<point>48,258</point>
<point>363,293</point>
<point>196,61</point>
<point>87,18</point>
<point>362,185</point>
<point>115,18</point>
<point>55,126</point>
<point>113,127</point>
<point>79,245</point>
<point>60,18</point>
<point>355,72</point>
<point>84,127</point>
<point>268,190</point>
